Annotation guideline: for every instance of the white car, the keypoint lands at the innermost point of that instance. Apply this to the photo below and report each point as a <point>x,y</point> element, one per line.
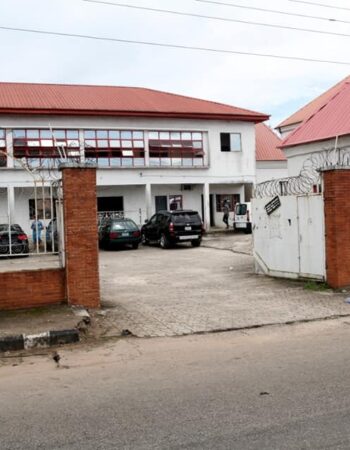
<point>242,217</point>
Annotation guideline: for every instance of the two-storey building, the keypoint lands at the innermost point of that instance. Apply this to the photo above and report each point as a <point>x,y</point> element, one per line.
<point>153,150</point>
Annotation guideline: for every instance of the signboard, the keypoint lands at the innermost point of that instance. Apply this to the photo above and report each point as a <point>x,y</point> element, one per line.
<point>273,205</point>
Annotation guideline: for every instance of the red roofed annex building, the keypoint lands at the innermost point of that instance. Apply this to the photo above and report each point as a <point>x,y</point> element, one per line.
<point>325,125</point>
<point>271,162</point>
<point>153,150</point>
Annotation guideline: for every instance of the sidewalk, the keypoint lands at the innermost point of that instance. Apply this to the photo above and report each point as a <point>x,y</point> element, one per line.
<point>39,327</point>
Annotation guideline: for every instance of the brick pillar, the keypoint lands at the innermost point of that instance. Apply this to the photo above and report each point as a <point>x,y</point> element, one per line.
<point>337,226</point>
<point>81,235</point>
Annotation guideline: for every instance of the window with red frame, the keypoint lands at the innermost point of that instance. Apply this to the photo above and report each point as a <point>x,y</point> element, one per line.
<point>39,144</point>
<point>232,199</point>
<point>176,148</point>
<point>3,159</point>
<point>115,147</point>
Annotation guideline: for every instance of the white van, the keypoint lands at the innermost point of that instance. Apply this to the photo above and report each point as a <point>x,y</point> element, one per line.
<point>242,219</point>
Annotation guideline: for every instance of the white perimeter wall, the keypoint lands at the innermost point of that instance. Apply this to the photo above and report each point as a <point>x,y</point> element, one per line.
<point>270,170</point>
<point>290,242</point>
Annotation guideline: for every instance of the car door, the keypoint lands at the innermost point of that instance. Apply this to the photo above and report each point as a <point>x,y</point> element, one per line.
<point>149,228</point>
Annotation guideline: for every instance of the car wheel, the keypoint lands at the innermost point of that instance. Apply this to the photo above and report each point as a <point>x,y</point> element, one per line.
<point>135,245</point>
<point>144,240</point>
<point>196,243</point>
<point>164,241</point>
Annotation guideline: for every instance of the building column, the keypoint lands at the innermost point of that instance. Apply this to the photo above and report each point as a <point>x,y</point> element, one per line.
<point>206,206</point>
<point>148,194</point>
<point>82,146</point>
<point>11,203</point>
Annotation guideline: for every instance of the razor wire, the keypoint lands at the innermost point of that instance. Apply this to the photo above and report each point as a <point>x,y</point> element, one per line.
<point>309,177</point>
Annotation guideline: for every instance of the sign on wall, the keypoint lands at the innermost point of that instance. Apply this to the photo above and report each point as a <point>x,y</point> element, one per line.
<point>273,205</point>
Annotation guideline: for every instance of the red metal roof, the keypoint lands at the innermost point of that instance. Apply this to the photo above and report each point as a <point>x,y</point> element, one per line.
<point>308,110</point>
<point>267,143</point>
<point>29,98</point>
<point>329,121</point>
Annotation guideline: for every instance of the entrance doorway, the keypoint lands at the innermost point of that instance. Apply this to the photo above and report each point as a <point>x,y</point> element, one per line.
<point>161,203</point>
<point>110,204</point>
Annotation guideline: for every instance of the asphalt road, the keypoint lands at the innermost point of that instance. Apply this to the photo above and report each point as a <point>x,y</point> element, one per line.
<point>274,388</point>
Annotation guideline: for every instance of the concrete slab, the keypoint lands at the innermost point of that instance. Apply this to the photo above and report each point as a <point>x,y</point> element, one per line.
<point>155,292</point>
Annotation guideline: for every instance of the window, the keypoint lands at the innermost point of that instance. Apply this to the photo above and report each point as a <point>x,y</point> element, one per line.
<point>232,199</point>
<point>175,202</point>
<point>231,142</point>
<point>43,210</point>
<point>37,145</point>
<point>115,147</point>
<point>176,148</point>
<point>3,159</point>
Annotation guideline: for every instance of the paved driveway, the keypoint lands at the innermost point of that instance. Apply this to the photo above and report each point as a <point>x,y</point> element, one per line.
<point>155,292</point>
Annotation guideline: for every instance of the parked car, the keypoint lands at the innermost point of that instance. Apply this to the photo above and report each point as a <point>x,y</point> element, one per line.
<point>242,217</point>
<point>52,236</point>
<point>14,242</point>
<point>117,232</point>
<point>170,227</point>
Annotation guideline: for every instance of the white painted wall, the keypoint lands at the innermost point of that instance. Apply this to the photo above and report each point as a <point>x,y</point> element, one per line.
<point>296,156</point>
<point>290,243</point>
<point>270,170</point>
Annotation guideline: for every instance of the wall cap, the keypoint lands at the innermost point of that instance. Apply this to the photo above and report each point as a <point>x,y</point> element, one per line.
<point>330,168</point>
<point>76,165</point>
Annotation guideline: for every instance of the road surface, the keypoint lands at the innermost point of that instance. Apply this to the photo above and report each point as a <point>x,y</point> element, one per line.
<point>273,388</point>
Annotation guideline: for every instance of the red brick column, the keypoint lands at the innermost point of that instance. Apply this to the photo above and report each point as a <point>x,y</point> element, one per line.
<point>81,238</point>
<point>337,226</point>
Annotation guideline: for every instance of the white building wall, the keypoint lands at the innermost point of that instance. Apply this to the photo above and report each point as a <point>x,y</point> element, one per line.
<point>297,156</point>
<point>270,170</point>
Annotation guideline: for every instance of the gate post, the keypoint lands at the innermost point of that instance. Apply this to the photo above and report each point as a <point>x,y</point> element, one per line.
<point>81,235</point>
<point>336,183</point>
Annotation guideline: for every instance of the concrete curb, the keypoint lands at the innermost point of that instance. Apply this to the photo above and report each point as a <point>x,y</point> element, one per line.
<point>41,340</point>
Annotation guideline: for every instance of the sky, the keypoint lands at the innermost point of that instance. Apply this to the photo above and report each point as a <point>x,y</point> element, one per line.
<point>272,86</point>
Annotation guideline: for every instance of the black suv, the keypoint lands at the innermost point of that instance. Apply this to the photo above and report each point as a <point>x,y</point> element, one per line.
<point>170,227</point>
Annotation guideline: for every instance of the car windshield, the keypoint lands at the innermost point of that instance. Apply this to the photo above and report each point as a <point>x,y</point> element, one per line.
<point>241,210</point>
<point>123,225</point>
<point>5,227</point>
<point>188,217</point>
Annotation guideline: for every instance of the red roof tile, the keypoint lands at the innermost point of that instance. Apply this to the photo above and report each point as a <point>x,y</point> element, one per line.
<point>329,121</point>
<point>267,143</point>
<point>308,110</point>
<point>112,100</point>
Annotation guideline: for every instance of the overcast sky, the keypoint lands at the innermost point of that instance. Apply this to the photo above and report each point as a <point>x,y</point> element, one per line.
<point>276,87</point>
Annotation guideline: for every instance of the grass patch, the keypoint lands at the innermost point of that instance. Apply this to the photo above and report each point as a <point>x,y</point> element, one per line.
<point>316,286</point>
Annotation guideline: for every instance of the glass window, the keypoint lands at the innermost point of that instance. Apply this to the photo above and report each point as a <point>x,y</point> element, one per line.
<point>235,141</point>
<point>73,143</point>
<point>59,134</point>
<point>102,134</point>
<point>89,134</point>
<point>175,136</point>
<point>2,134</point>
<point>197,136</point>
<point>90,143</point>
<point>138,144</point>
<point>175,202</point>
<point>231,199</point>
<point>102,143</point>
<point>164,135</point>
<point>153,135</point>
<point>2,143</point>
<point>19,134</point>
<point>230,142</point>
<point>47,142</point>
<point>126,135</point>
<point>137,134</point>
<point>114,134</point>
<point>127,144</point>
<point>45,134</point>
<point>32,134</point>
<point>186,136</point>
<point>72,134</point>
<point>115,144</point>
